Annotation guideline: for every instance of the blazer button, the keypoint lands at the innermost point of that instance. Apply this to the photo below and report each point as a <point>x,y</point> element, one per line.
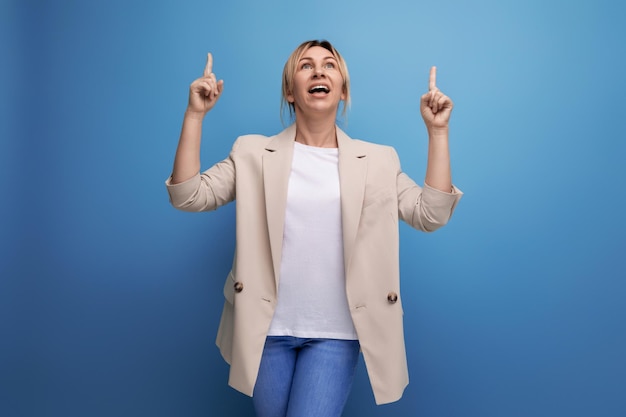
<point>392,297</point>
<point>238,286</point>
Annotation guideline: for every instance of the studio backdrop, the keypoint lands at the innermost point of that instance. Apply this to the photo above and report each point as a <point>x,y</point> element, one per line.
<point>110,298</point>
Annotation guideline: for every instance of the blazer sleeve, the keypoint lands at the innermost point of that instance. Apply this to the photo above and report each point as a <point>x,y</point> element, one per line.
<point>208,190</point>
<point>424,208</point>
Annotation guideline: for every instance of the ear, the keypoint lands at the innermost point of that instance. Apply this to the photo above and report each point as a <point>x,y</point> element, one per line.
<point>344,93</point>
<point>290,98</point>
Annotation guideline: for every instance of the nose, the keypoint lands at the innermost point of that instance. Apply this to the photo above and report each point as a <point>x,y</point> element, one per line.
<point>318,72</point>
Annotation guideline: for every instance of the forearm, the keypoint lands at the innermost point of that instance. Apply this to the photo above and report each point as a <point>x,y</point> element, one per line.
<point>438,173</point>
<point>187,159</point>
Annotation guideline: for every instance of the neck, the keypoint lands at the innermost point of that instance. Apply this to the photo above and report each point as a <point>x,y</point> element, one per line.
<point>320,133</point>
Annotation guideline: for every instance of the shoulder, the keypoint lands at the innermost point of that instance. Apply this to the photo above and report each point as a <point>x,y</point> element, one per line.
<point>249,146</point>
<point>363,146</point>
<point>255,142</point>
<point>251,141</point>
<point>373,146</point>
<point>375,151</point>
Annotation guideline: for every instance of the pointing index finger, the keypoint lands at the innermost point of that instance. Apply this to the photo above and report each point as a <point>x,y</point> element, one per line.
<point>432,83</point>
<point>208,69</point>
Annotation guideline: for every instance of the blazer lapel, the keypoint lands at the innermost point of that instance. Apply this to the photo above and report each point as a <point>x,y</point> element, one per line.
<point>276,169</point>
<point>352,175</point>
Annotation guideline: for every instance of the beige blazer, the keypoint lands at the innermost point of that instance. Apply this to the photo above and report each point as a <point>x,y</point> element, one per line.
<point>375,193</point>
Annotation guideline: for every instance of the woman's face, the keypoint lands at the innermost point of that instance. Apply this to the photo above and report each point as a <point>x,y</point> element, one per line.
<point>317,82</point>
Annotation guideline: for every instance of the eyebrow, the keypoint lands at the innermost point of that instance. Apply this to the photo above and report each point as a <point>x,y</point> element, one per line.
<point>324,59</point>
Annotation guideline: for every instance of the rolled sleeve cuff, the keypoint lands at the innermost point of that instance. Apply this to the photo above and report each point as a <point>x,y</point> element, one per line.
<point>179,193</point>
<point>440,200</point>
<point>453,192</point>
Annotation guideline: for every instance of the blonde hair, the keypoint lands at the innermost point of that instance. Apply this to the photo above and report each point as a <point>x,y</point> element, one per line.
<point>291,66</point>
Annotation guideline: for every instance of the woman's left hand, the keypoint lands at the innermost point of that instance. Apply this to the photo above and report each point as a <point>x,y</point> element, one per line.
<point>435,106</point>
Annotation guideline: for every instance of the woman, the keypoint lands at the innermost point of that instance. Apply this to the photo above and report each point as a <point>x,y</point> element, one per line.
<point>315,277</point>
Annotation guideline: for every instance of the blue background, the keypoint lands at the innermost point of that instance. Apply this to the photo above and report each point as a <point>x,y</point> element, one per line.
<point>110,298</point>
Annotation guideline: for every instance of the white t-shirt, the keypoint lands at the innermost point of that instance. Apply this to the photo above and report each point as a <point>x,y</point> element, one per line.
<point>312,290</point>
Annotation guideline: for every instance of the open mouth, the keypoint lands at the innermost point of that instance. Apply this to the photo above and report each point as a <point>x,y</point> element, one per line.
<point>319,89</point>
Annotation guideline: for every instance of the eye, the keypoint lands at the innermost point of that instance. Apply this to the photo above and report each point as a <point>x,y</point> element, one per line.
<point>306,66</point>
<point>329,65</point>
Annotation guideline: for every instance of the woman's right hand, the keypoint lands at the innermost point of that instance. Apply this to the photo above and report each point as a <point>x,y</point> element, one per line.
<point>205,91</point>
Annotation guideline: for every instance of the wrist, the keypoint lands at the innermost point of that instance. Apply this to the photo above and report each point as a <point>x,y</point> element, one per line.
<point>194,115</point>
<point>437,133</point>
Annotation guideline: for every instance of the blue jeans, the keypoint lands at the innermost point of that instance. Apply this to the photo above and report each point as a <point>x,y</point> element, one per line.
<point>301,377</point>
